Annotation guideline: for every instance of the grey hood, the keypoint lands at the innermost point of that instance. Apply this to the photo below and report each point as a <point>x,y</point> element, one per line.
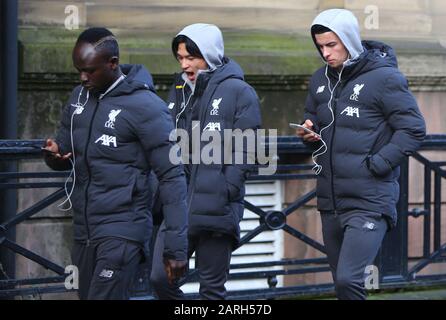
<point>209,40</point>
<point>345,25</point>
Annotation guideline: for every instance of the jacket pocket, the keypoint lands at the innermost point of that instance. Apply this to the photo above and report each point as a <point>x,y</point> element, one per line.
<point>141,199</point>
<point>232,192</point>
<point>235,182</point>
<point>379,167</point>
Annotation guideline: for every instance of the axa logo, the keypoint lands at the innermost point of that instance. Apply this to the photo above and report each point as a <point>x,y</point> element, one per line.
<point>215,106</point>
<point>107,140</point>
<point>212,126</point>
<point>351,111</point>
<point>110,123</point>
<point>320,89</point>
<point>356,91</point>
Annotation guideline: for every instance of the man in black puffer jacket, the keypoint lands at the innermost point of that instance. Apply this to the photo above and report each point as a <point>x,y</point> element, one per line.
<point>209,96</point>
<point>114,132</point>
<point>369,122</point>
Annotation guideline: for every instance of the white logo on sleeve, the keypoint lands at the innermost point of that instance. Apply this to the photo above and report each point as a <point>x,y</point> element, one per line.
<point>107,140</point>
<point>171,105</point>
<point>215,106</point>
<point>212,126</point>
<point>320,89</point>
<point>110,123</point>
<point>351,111</point>
<point>369,225</point>
<point>356,92</point>
<point>106,273</point>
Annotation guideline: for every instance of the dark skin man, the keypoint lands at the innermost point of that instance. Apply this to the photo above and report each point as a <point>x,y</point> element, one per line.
<point>97,72</point>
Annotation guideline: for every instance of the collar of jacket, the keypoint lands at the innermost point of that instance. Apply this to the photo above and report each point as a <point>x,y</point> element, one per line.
<point>375,55</point>
<point>350,70</point>
<point>200,84</point>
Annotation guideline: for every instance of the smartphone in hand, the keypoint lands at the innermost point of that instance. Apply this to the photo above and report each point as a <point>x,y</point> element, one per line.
<point>48,152</point>
<point>299,126</point>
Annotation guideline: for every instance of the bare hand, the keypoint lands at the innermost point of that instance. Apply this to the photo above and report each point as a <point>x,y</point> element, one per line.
<point>175,269</point>
<point>53,150</point>
<point>310,137</point>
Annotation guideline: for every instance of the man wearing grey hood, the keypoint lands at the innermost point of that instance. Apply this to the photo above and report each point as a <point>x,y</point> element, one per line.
<point>368,122</point>
<point>209,95</point>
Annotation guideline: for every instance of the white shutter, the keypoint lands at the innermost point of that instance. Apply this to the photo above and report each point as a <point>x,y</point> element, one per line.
<point>266,246</point>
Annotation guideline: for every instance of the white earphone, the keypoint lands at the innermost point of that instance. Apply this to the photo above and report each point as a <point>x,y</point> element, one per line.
<point>183,104</point>
<point>79,108</point>
<point>323,149</point>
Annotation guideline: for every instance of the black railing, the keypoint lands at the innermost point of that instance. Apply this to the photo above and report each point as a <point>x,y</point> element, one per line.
<point>397,268</point>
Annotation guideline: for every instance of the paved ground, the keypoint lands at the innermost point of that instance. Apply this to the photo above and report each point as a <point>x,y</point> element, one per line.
<point>431,294</point>
<point>437,293</point>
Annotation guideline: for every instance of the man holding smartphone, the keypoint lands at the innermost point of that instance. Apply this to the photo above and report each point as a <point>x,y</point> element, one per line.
<point>305,128</point>
<point>113,132</point>
<point>368,122</point>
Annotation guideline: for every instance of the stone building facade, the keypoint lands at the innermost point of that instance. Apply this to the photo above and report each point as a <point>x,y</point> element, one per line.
<point>271,41</point>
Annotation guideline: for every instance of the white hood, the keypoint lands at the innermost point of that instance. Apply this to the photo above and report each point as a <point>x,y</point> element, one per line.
<point>345,25</point>
<point>209,40</point>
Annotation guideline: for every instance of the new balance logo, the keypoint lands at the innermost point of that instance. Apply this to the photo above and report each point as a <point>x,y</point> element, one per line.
<point>350,111</point>
<point>212,126</point>
<point>369,226</point>
<point>215,106</point>
<point>356,92</point>
<point>107,140</point>
<point>106,273</point>
<point>320,89</point>
<point>110,123</point>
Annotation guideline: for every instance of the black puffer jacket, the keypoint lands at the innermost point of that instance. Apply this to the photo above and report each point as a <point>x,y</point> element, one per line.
<point>117,141</point>
<point>221,100</point>
<point>377,123</point>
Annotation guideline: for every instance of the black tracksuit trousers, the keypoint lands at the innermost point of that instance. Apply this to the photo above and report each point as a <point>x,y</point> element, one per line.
<point>352,240</point>
<point>212,259</point>
<point>107,268</point>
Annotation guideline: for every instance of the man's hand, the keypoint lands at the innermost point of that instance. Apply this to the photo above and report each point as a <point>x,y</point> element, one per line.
<point>51,151</point>
<point>309,137</point>
<point>175,269</point>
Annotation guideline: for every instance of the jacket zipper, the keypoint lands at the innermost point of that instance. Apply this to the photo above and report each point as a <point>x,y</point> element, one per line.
<point>201,118</point>
<point>89,173</point>
<point>178,114</point>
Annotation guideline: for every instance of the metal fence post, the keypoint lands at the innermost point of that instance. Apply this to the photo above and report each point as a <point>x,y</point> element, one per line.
<point>394,251</point>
